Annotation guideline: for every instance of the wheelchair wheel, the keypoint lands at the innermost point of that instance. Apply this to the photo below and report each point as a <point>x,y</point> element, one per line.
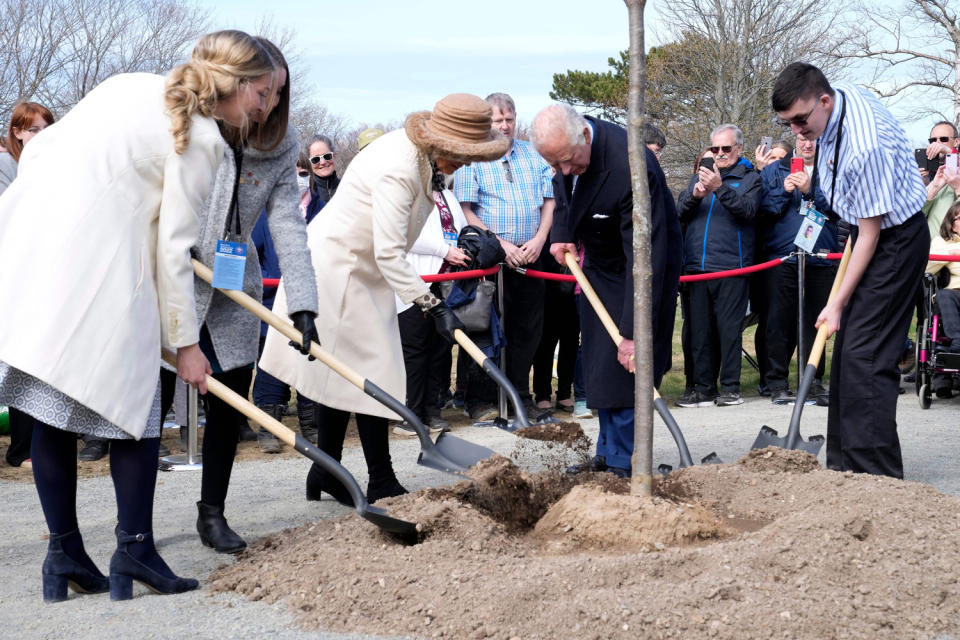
<point>924,396</point>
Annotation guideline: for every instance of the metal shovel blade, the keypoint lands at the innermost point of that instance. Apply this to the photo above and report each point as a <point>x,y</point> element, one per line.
<point>711,458</point>
<point>453,454</point>
<point>407,531</point>
<point>769,438</point>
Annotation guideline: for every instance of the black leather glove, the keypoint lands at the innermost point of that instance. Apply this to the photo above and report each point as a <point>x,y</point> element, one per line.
<point>446,321</point>
<point>303,322</point>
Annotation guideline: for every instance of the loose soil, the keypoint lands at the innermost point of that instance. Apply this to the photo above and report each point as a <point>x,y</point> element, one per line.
<point>772,546</point>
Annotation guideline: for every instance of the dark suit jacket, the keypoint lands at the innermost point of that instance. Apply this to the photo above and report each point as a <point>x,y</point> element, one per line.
<point>599,216</point>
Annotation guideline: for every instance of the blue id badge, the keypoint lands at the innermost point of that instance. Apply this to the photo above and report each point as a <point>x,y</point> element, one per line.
<point>229,264</point>
<point>450,237</point>
<point>810,227</point>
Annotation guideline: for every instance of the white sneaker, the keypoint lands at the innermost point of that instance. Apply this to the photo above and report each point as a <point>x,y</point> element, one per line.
<point>580,410</point>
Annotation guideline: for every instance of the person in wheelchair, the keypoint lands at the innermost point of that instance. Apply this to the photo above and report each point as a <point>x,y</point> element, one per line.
<point>947,297</point>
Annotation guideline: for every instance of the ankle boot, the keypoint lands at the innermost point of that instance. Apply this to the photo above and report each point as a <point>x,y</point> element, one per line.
<point>215,532</point>
<point>60,570</point>
<point>384,487</point>
<point>124,569</point>
<point>319,481</point>
<point>267,441</point>
<point>308,420</point>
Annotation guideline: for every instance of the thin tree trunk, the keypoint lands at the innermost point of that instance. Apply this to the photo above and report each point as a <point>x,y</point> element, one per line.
<point>642,461</point>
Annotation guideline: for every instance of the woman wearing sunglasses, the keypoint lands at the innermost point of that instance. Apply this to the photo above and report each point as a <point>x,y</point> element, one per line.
<point>322,155</point>
<point>99,268</point>
<point>28,119</point>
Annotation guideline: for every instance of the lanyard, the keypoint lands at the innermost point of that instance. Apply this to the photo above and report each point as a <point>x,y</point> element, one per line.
<point>836,155</point>
<point>233,216</point>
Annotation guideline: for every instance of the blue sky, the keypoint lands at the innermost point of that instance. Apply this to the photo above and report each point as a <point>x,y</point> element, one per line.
<point>377,60</point>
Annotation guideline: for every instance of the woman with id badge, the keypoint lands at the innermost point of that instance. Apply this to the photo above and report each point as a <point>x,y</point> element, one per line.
<point>100,270</point>
<point>791,207</point>
<point>256,175</point>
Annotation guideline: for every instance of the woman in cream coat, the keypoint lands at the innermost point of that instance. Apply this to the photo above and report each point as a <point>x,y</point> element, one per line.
<point>100,271</point>
<point>358,246</point>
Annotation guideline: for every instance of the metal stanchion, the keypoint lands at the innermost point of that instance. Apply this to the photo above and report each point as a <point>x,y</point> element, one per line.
<point>191,460</point>
<point>502,396</point>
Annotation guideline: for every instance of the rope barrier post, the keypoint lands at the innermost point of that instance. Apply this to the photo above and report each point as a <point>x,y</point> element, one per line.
<point>191,460</point>
<point>801,291</point>
<point>502,395</point>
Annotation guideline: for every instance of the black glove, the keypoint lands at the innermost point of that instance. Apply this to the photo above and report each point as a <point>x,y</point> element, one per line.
<point>303,322</point>
<point>446,321</point>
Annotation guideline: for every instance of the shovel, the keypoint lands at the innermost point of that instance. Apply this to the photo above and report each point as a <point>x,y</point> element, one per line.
<point>407,531</point>
<point>793,440</point>
<point>520,421</point>
<point>658,403</point>
<point>448,453</point>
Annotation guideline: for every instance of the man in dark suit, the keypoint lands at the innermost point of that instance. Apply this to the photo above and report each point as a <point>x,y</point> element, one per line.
<point>592,187</point>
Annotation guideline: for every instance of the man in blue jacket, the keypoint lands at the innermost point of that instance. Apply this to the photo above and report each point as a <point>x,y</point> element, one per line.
<point>719,208</point>
<point>784,196</point>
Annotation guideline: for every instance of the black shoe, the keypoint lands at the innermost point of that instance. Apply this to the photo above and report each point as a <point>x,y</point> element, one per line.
<point>93,450</point>
<point>910,377</point>
<point>319,482</point>
<point>619,472</point>
<point>763,390</point>
<point>437,424</point>
<point>729,399</point>
<point>694,400</point>
<point>819,394</point>
<point>783,396</point>
<point>215,532</point>
<point>387,488</point>
<point>246,433</point>
<point>483,412</point>
<point>124,569</point>
<point>60,571</point>
<point>597,463</point>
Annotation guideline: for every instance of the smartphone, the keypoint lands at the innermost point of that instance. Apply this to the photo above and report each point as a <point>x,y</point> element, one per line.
<point>796,165</point>
<point>706,163</point>
<point>951,162</point>
<point>931,165</point>
<point>766,142</point>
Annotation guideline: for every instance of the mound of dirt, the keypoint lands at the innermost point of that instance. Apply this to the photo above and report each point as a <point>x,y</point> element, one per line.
<point>825,555</point>
<point>589,517</point>
<point>565,432</point>
<point>777,460</point>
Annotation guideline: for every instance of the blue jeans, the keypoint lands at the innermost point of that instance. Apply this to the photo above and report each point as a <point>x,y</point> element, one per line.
<point>615,442</point>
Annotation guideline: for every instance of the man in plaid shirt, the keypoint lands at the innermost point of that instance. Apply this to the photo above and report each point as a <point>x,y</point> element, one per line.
<point>513,197</point>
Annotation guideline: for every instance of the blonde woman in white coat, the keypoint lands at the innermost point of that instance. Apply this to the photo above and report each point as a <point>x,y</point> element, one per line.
<point>358,246</point>
<point>100,271</point>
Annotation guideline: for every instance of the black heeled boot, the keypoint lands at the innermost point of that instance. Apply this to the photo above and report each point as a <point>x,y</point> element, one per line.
<point>384,487</point>
<point>60,571</point>
<point>124,569</point>
<point>319,481</point>
<point>307,416</point>
<point>376,451</point>
<point>215,532</point>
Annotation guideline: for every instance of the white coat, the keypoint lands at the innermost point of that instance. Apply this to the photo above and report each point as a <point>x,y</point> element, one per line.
<point>358,243</point>
<point>95,237</point>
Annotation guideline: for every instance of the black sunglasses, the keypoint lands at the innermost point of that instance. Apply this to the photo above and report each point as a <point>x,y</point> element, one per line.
<point>725,148</point>
<point>940,139</point>
<point>325,156</point>
<point>800,121</point>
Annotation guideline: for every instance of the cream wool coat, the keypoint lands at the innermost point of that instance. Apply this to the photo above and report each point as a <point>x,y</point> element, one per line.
<point>358,243</point>
<point>95,237</point>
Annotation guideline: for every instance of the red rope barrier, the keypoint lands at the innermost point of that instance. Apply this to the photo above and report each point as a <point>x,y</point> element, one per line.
<point>716,275</point>
<point>547,275</point>
<point>439,277</point>
<point>933,257</point>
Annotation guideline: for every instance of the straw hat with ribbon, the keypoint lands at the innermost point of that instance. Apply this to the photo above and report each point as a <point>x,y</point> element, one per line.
<point>459,129</point>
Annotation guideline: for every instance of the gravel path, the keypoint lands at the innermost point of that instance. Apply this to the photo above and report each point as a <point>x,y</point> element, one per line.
<point>267,496</point>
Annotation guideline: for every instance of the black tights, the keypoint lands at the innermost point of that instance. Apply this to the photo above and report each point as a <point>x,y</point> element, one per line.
<point>220,437</point>
<point>332,428</point>
<point>133,467</point>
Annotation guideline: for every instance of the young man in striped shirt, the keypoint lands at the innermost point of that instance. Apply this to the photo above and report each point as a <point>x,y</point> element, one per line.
<point>866,170</point>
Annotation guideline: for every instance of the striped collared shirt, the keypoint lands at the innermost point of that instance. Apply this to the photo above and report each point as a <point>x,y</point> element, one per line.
<point>878,175</point>
<point>507,194</point>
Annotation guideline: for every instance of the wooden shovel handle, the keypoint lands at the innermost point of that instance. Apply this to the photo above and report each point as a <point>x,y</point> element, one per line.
<point>594,299</point>
<point>242,405</point>
<point>821,341</point>
<point>204,273</point>
<point>469,346</point>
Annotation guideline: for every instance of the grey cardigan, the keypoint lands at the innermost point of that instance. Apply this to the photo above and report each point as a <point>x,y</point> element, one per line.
<point>8,170</point>
<point>268,180</point>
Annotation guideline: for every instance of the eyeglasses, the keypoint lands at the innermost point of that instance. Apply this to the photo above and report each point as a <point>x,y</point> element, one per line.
<point>506,170</point>
<point>930,140</point>
<point>326,157</point>
<point>303,173</point>
<point>800,120</point>
<point>725,148</point>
